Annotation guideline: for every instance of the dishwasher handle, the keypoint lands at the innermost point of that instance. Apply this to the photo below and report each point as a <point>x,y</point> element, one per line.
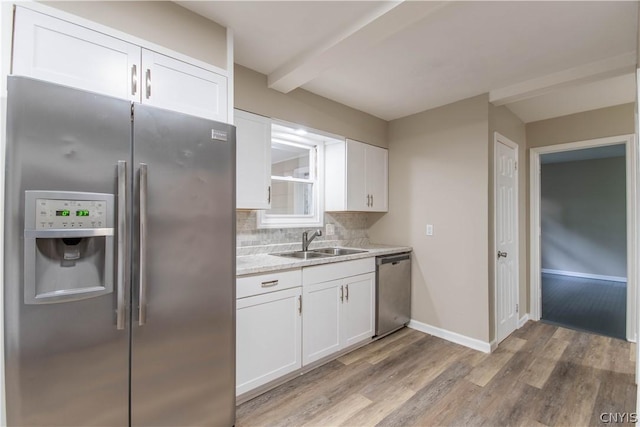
<point>393,259</point>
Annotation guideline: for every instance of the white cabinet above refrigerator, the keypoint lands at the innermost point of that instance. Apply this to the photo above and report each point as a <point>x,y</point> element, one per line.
<point>62,52</point>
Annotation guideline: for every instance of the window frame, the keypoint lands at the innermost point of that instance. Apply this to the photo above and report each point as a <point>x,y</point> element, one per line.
<point>316,219</point>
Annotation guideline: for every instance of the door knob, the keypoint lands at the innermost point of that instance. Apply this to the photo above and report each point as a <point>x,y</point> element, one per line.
<point>502,254</point>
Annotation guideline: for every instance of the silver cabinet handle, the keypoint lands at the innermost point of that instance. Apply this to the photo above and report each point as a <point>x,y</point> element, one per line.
<point>299,304</point>
<point>341,293</point>
<point>122,245</point>
<point>368,200</point>
<point>142,273</point>
<point>502,254</point>
<point>347,296</point>
<point>134,79</point>
<point>269,284</point>
<point>148,79</point>
<point>269,195</point>
<point>372,200</point>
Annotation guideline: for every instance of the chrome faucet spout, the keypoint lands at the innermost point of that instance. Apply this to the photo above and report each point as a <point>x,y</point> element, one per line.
<point>306,240</point>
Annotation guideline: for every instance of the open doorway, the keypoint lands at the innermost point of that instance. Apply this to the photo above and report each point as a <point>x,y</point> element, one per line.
<point>572,252</point>
<point>584,239</point>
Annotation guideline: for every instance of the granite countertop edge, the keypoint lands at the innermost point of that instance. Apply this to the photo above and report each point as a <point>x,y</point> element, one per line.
<point>264,263</point>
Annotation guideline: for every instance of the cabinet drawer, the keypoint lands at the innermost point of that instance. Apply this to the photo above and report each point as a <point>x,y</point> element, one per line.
<point>338,270</point>
<point>263,283</point>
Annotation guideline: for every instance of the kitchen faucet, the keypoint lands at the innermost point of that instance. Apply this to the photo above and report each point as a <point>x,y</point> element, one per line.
<point>306,240</point>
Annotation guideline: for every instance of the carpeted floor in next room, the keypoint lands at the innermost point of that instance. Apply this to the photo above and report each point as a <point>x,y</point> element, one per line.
<point>585,304</point>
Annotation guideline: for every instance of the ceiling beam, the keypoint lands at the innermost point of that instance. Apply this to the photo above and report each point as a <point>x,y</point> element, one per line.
<point>385,21</point>
<point>594,71</point>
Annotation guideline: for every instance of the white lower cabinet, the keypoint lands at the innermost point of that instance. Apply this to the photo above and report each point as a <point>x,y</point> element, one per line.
<point>268,338</point>
<point>359,316</point>
<point>337,313</point>
<point>282,326</point>
<point>322,320</point>
<point>268,332</point>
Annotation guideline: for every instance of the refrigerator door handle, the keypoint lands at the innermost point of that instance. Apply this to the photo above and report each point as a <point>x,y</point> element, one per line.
<point>142,274</point>
<point>122,245</point>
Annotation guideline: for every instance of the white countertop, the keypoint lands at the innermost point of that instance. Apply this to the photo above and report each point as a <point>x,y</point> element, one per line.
<point>262,263</point>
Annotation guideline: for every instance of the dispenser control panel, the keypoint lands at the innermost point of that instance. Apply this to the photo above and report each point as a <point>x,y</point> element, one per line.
<point>70,214</point>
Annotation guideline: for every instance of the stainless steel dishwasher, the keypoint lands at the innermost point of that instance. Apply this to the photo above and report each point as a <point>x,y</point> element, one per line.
<point>393,292</point>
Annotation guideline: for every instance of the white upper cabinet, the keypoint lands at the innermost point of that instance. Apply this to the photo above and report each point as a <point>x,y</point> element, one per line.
<point>54,50</point>
<point>175,85</point>
<point>62,52</point>
<point>356,177</point>
<point>253,161</point>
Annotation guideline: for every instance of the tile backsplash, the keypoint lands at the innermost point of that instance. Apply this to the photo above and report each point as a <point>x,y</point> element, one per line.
<point>349,227</point>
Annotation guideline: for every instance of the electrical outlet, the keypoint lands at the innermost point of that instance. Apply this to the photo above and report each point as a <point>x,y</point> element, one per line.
<point>429,229</point>
<point>330,229</point>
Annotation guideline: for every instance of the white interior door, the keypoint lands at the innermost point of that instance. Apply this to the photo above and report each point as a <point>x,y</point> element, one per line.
<point>506,196</point>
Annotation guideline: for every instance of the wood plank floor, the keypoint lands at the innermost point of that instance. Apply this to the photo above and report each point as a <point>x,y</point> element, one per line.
<point>540,375</point>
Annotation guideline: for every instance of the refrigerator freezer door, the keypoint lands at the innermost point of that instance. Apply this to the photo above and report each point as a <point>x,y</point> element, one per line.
<point>183,354</point>
<point>66,364</point>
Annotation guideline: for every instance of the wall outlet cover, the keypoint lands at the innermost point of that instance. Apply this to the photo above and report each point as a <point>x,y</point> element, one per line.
<point>330,229</point>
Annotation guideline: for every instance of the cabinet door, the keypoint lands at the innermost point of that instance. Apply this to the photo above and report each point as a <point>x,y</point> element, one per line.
<point>175,85</point>
<point>253,161</point>
<point>358,310</point>
<point>357,196</point>
<point>321,320</point>
<point>377,178</point>
<point>57,51</point>
<point>267,338</point>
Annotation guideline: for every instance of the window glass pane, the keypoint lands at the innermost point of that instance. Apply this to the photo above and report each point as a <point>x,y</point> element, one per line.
<point>291,198</point>
<point>289,160</point>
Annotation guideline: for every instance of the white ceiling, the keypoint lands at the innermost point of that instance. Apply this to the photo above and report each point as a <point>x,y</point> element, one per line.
<point>392,59</point>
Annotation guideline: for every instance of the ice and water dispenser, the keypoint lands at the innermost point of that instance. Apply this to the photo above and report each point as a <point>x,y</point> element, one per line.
<point>68,246</point>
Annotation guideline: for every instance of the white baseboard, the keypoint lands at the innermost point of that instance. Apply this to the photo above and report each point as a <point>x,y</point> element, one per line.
<point>524,319</point>
<point>585,275</point>
<point>454,337</point>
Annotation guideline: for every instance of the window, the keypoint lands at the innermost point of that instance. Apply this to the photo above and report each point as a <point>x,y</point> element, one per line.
<point>296,178</point>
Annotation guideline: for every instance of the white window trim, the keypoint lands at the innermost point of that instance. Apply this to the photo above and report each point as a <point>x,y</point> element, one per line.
<point>296,221</point>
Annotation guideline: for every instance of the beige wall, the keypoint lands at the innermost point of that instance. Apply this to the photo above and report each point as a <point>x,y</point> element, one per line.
<point>160,22</point>
<point>506,123</point>
<point>610,121</point>
<point>438,175</point>
<point>583,215</point>
<point>306,108</point>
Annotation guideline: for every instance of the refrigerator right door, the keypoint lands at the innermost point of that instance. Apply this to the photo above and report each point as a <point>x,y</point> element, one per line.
<point>183,331</point>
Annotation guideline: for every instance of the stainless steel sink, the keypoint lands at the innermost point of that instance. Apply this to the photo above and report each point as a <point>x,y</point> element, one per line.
<point>339,251</point>
<point>303,254</point>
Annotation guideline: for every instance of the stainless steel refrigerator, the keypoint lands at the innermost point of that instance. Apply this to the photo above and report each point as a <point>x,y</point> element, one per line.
<point>119,262</point>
